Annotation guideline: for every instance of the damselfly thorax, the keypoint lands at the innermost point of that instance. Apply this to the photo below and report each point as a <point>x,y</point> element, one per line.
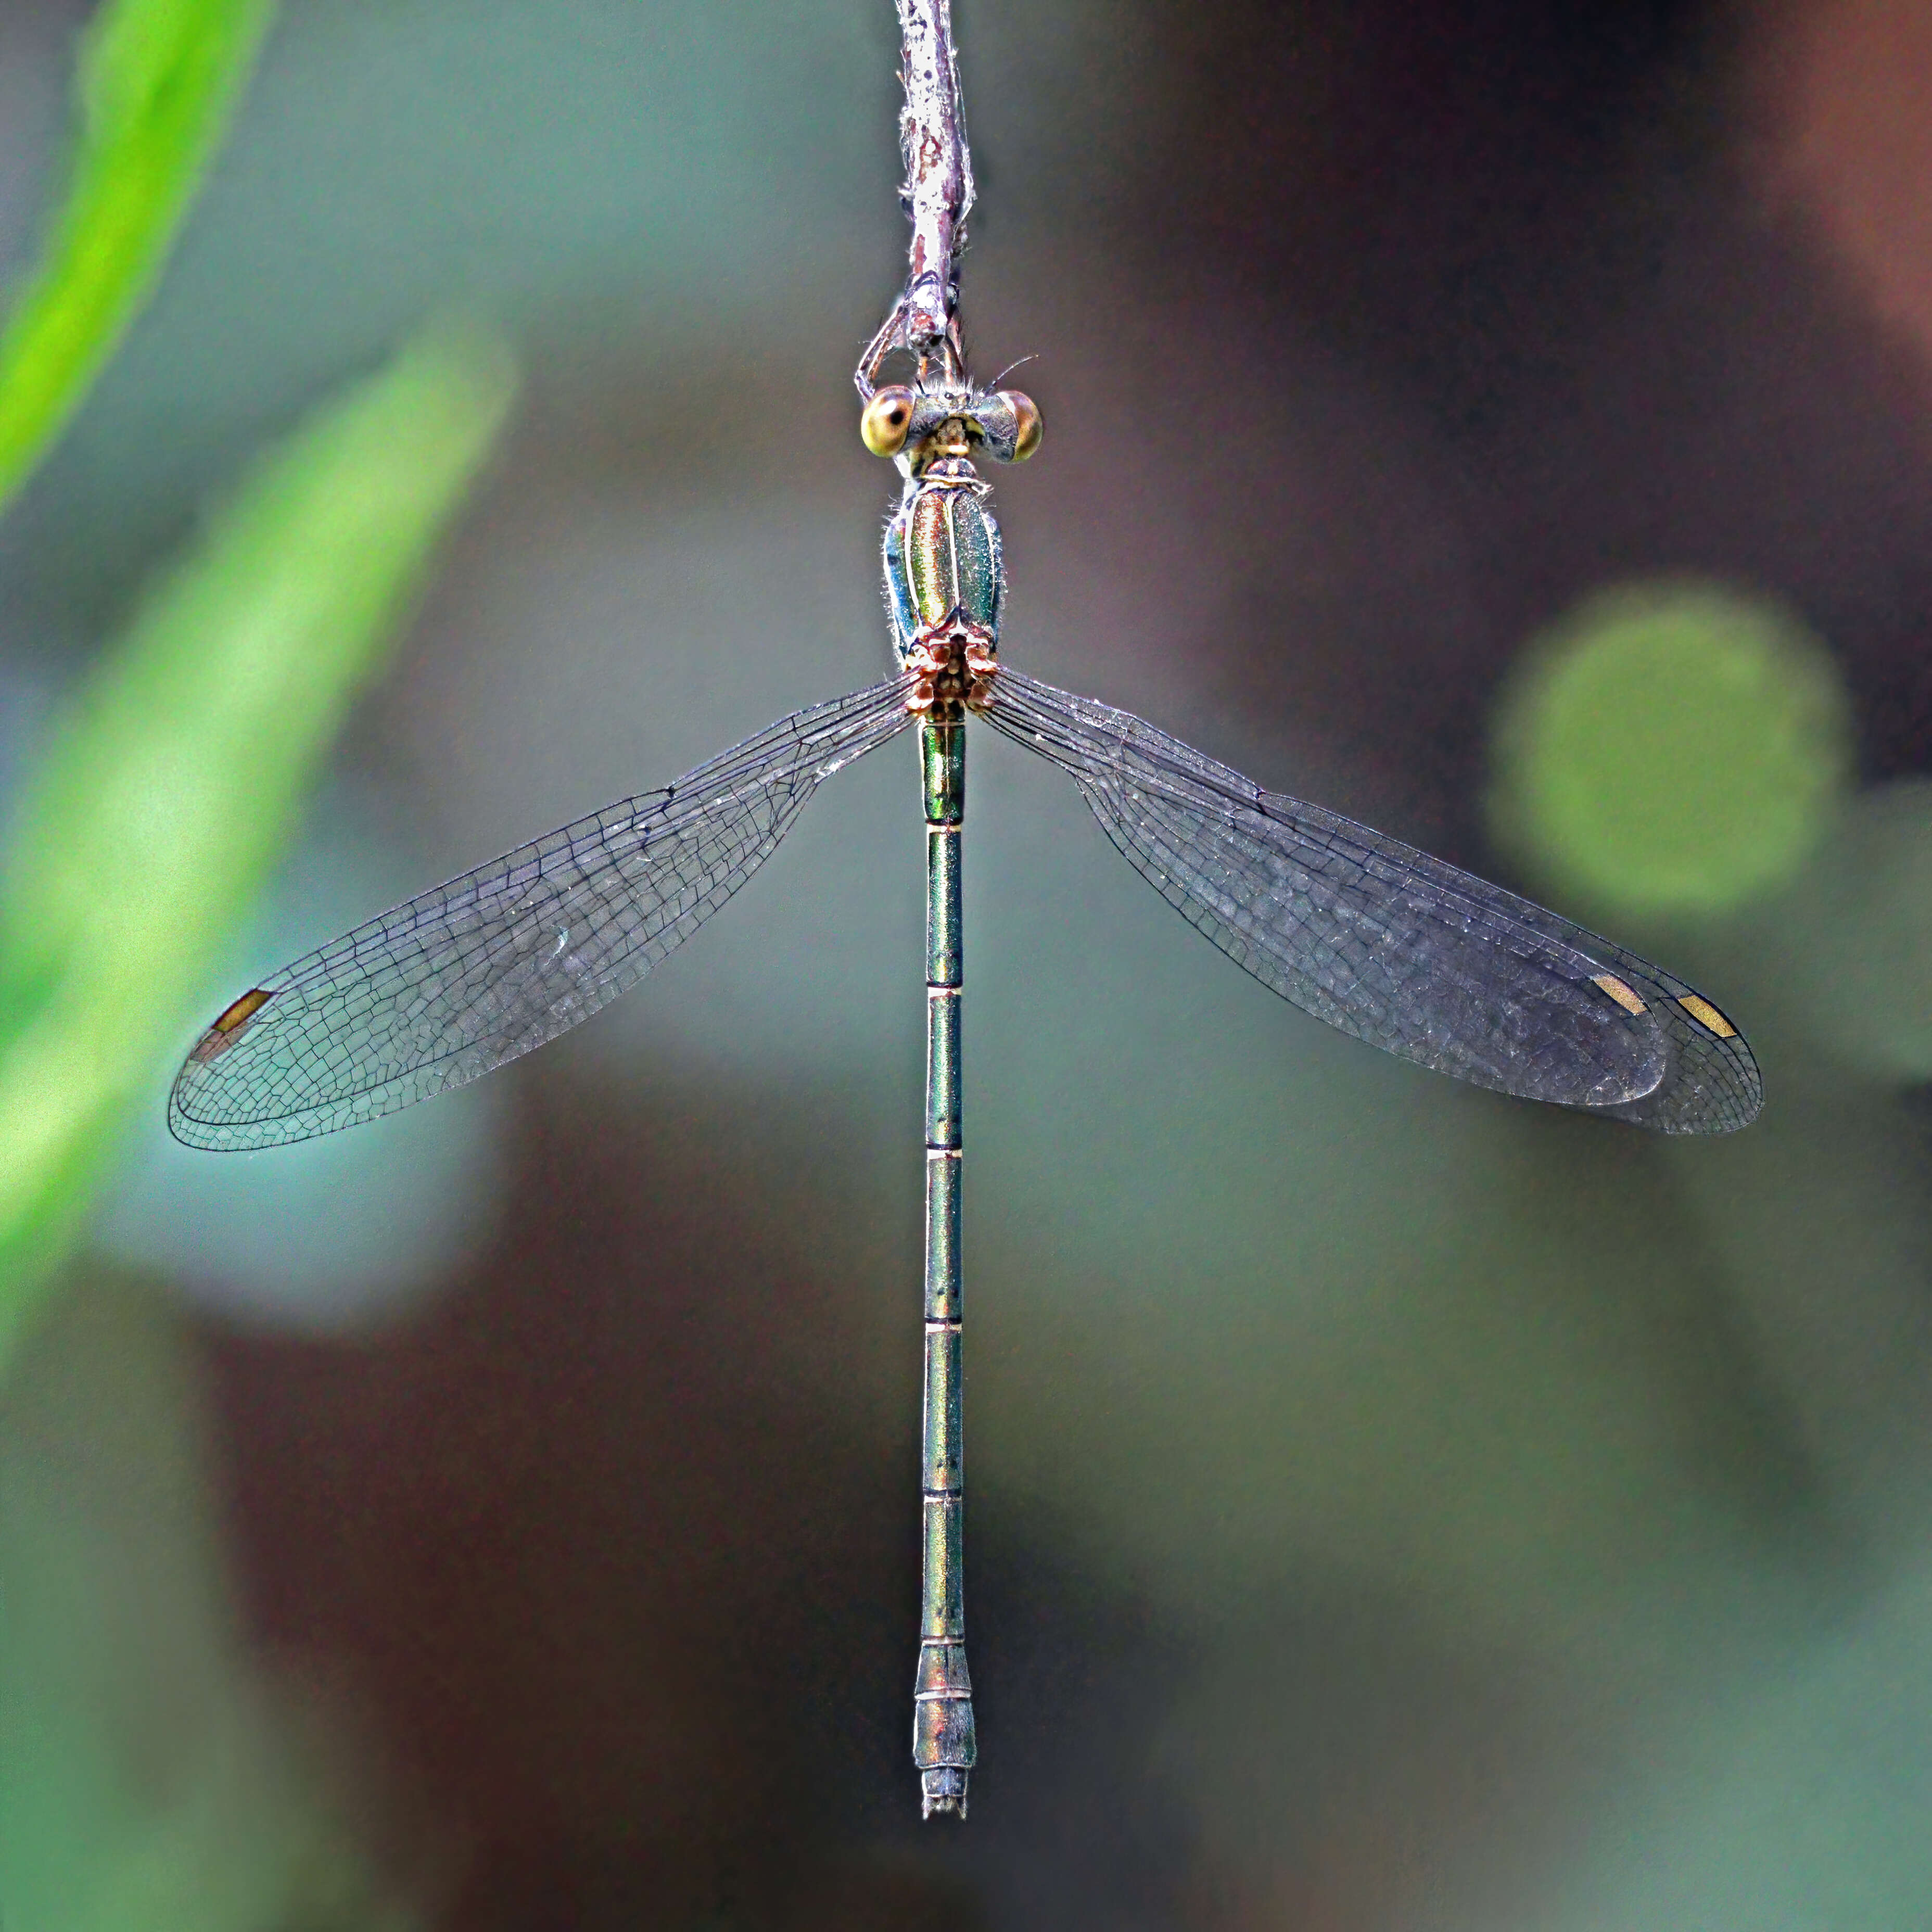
<point>945,579</point>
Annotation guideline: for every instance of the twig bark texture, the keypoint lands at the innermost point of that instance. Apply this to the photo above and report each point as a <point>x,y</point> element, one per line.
<point>936,195</point>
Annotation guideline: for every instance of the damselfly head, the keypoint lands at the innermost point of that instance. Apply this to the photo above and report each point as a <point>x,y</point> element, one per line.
<point>921,426</point>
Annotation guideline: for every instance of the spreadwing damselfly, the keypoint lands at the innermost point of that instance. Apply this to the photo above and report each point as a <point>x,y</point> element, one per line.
<point>1395,948</point>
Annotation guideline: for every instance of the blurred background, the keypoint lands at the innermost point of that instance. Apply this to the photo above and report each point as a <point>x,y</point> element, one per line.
<point>1393,1508</point>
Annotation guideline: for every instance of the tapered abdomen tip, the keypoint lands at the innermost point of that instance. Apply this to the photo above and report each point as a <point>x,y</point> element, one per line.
<point>942,1788</point>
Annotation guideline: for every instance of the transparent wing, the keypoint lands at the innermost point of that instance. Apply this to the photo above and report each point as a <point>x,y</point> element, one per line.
<point>464,977</point>
<point>1384,942</point>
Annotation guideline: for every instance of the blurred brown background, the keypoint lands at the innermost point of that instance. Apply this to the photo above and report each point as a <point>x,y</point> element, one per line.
<point>1391,1507</point>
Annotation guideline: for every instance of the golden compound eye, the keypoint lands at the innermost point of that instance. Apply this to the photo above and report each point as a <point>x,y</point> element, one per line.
<point>888,416</point>
<point>1028,417</point>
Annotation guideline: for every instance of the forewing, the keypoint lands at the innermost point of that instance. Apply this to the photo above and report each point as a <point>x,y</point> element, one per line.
<point>470,975</point>
<point>1397,948</point>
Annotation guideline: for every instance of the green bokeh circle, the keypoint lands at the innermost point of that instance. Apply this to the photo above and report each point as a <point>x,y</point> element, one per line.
<point>1671,748</point>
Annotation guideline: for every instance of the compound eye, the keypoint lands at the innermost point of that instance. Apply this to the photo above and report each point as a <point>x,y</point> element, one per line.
<point>888,416</point>
<point>1027,416</point>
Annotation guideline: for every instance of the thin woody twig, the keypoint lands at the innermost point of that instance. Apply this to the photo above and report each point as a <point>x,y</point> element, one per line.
<point>936,195</point>
<point>938,189</point>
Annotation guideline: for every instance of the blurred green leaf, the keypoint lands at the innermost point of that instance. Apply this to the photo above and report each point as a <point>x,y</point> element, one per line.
<point>157,82</point>
<point>175,783</point>
<point>1672,747</point>
<point>158,1772</point>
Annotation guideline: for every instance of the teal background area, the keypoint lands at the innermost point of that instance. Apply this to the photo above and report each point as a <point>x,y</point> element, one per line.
<point>1391,1508</point>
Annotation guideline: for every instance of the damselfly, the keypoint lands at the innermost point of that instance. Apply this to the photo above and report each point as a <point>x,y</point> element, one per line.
<point>1398,949</point>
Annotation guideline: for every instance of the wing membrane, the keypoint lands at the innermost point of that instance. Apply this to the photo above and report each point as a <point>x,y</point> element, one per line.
<point>462,978</point>
<point>1398,949</point>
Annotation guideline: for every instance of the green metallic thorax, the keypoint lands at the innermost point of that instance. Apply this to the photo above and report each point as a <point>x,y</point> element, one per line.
<point>943,555</point>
